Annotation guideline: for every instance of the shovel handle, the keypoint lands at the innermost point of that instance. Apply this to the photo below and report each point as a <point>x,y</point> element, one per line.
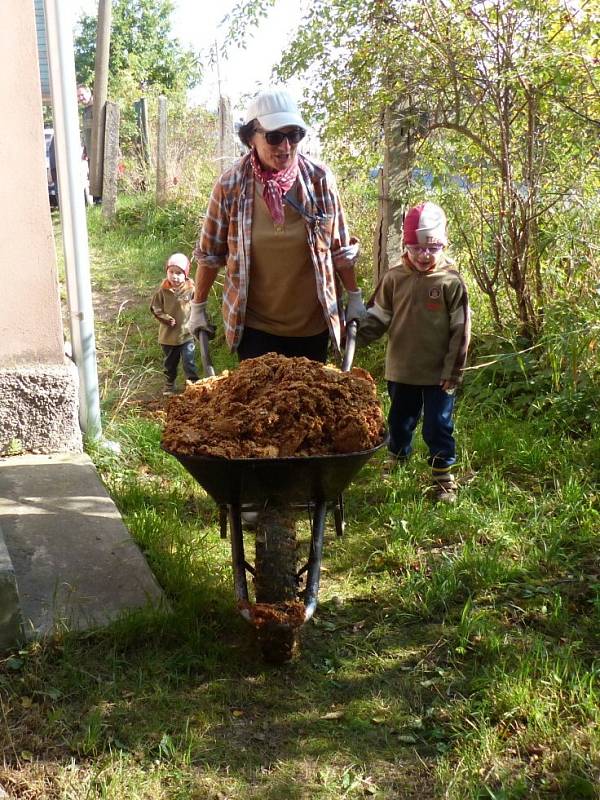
<point>207,365</point>
<point>351,329</point>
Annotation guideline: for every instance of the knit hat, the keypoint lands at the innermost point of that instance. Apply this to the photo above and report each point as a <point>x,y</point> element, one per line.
<point>425,224</point>
<point>179,260</point>
<point>274,108</point>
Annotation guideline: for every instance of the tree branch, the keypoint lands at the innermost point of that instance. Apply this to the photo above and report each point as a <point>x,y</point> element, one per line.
<point>469,135</point>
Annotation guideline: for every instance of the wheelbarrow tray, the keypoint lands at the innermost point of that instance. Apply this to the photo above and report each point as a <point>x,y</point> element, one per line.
<point>253,481</point>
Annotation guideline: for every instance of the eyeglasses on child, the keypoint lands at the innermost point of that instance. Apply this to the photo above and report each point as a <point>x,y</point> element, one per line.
<point>422,249</point>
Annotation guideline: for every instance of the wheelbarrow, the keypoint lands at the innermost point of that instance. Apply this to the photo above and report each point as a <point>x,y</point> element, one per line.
<point>274,490</point>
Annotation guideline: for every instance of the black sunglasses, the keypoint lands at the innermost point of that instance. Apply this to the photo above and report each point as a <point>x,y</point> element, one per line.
<point>276,137</point>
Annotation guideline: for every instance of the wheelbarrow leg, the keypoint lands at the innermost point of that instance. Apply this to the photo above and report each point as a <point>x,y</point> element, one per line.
<point>338,515</point>
<point>223,521</point>
<point>239,562</point>
<point>313,576</point>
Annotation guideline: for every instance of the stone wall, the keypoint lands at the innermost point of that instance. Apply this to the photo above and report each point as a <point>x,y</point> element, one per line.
<point>38,409</point>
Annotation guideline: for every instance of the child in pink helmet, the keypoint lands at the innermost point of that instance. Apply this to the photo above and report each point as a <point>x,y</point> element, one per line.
<point>171,306</point>
<point>422,305</point>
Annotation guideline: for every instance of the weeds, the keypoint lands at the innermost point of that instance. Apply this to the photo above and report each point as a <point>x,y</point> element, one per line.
<point>454,650</point>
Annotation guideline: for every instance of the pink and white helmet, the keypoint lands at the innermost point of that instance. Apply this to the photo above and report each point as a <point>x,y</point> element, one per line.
<point>425,224</point>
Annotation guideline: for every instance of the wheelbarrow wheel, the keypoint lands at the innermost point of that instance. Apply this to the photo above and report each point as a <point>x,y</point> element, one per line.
<point>275,579</point>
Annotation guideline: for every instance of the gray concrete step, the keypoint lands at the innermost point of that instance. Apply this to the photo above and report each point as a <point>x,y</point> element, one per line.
<point>74,561</point>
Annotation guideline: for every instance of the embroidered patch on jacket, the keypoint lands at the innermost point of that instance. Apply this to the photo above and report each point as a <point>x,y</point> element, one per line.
<point>434,296</point>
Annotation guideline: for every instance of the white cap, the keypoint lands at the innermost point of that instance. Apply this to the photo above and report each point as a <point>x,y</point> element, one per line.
<point>274,108</point>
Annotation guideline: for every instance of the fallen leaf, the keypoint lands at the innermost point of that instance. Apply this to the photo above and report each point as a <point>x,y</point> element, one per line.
<point>333,715</point>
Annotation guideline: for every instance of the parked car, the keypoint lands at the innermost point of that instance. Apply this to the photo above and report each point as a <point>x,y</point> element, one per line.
<point>52,174</point>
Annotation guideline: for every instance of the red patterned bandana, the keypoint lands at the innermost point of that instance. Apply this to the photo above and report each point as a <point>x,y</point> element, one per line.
<point>276,184</point>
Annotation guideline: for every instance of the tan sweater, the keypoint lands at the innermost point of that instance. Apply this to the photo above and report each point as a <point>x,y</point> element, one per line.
<point>426,316</point>
<point>282,290</point>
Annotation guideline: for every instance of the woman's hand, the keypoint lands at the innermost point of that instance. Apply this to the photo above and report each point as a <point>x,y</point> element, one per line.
<point>199,320</point>
<point>356,308</point>
<point>345,257</point>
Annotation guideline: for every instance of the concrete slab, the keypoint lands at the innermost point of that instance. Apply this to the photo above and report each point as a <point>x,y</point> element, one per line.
<point>75,562</point>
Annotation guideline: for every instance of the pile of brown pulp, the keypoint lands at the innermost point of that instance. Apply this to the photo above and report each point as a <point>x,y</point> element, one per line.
<point>272,407</point>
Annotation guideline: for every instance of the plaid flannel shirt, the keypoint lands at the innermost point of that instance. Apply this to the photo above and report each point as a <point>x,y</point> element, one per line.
<point>225,240</point>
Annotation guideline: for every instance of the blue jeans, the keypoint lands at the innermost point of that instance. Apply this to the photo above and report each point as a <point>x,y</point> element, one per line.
<point>185,352</point>
<point>436,405</point>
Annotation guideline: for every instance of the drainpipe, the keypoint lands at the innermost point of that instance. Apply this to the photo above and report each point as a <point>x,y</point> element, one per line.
<point>72,212</point>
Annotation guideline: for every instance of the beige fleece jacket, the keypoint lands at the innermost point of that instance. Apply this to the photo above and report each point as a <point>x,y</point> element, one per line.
<point>173,303</point>
<point>427,318</point>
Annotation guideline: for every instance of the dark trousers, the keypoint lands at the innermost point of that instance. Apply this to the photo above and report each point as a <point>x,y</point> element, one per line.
<point>436,406</point>
<point>175,352</point>
<point>256,343</point>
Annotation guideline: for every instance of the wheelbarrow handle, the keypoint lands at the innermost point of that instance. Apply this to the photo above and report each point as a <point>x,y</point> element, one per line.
<point>349,350</point>
<point>207,365</point>
<point>351,330</point>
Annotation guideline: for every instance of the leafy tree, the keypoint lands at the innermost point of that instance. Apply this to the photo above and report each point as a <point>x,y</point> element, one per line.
<point>142,51</point>
<point>144,60</point>
<point>503,93</point>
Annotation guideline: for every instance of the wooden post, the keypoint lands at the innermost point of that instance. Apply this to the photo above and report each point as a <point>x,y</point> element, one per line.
<point>380,259</point>
<point>141,113</point>
<point>161,153</point>
<point>100,95</point>
<point>111,160</point>
<point>226,141</point>
<point>393,184</point>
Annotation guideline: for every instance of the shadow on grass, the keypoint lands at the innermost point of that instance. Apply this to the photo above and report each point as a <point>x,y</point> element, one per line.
<point>190,688</point>
<point>375,690</point>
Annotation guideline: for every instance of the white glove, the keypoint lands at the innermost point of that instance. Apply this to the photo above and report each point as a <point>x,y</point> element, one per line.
<point>345,257</point>
<point>199,320</point>
<point>356,308</point>
<point>353,250</point>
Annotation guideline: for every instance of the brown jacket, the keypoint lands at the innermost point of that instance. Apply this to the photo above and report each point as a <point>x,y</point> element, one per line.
<point>427,318</point>
<point>170,303</point>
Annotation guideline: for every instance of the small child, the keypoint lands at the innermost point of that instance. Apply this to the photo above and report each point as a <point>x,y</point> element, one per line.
<point>423,306</point>
<point>171,306</point>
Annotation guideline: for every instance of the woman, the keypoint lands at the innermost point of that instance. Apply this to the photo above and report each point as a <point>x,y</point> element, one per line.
<point>275,222</point>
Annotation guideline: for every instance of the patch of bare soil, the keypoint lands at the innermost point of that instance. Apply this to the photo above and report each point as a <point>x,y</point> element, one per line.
<point>109,303</point>
<point>154,407</point>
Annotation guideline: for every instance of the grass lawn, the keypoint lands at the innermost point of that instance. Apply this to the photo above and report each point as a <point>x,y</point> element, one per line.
<point>454,652</point>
